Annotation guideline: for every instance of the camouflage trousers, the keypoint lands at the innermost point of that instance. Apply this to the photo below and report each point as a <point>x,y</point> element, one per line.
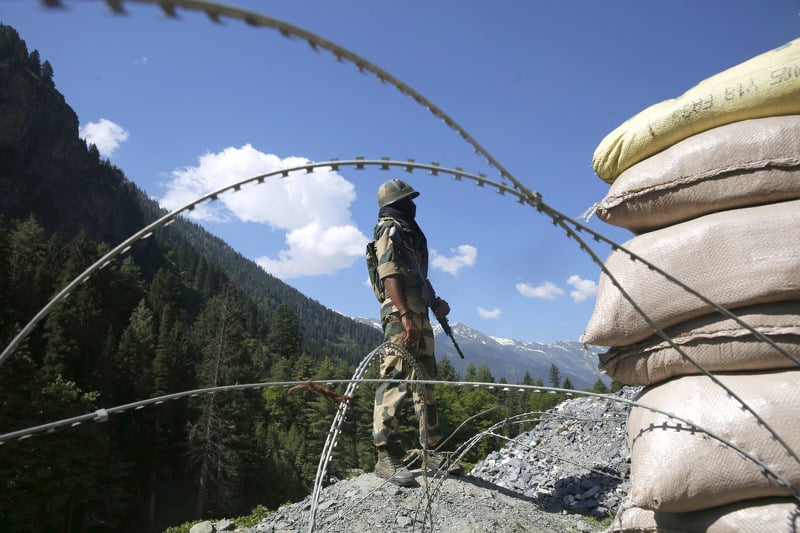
<point>389,397</point>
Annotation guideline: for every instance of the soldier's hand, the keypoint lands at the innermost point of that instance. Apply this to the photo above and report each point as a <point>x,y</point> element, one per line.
<point>412,331</point>
<point>442,308</point>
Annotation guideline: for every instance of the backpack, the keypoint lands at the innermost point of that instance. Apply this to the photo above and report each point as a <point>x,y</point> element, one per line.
<point>372,269</point>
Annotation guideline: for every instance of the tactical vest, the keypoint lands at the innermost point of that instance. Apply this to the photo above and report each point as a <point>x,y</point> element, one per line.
<point>418,249</point>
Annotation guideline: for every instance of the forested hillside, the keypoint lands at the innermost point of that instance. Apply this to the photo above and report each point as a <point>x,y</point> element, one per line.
<point>180,311</point>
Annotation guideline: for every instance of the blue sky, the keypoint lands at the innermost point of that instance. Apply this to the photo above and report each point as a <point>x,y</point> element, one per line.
<point>185,106</point>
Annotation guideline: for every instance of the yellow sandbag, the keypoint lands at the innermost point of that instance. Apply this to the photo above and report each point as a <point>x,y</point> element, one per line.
<point>766,85</point>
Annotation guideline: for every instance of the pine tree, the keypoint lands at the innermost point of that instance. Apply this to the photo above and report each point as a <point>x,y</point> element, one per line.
<point>483,374</point>
<point>284,340</point>
<point>471,372</point>
<point>11,45</point>
<point>47,74</point>
<point>75,332</point>
<point>164,292</point>
<point>135,355</point>
<point>172,366</point>
<point>555,375</point>
<point>600,387</point>
<point>46,485</point>
<point>445,371</point>
<point>478,404</point>
<point>30,280</point>
<point>319,412</point>
<point>360,415</point>
<point>35,62</point>
<point>521,402</point>
<point>216,436</point>
<point>6,312</point>
<point>94,152</point>
<point>121,287</point>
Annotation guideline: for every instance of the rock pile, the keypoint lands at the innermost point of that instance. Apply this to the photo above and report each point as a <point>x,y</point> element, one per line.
<point>573,466</point>
<point>576,459</point>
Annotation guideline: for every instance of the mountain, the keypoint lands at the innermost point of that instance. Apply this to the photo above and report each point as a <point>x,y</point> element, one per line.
<point>49,173</point>
<point>509,359</point>
<point>180,311</point>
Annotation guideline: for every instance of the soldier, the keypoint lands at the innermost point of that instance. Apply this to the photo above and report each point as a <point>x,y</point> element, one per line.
<point>398,273</point>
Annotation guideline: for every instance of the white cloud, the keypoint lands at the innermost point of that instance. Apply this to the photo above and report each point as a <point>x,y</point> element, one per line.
<point>485,313</point>
<point>141,61</point>
<point>313,209</point>
<point>104,134</point>
<point>584,288</point>
<point>546,291</point>
<point>464,255</point>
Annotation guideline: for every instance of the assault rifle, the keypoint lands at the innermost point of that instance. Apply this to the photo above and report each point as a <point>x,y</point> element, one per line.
<point>428,294</point>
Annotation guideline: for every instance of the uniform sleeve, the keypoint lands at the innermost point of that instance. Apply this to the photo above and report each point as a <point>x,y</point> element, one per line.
<point>391,264</point>
<point>388,264</point>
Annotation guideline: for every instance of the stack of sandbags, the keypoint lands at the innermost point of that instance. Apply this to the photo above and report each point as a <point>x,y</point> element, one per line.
<point>709,183</point>
<point>679,473</point>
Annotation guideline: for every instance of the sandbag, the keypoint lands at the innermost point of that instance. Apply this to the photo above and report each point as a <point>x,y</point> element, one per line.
<point>742,164</point>
<point>734,258</point>
<point>677,468</point>
<point>766,85</point>
<point>717,343</point>
<point>772,515</point>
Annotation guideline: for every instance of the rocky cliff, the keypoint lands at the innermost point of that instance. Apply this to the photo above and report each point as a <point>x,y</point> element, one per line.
<point>46,168</point>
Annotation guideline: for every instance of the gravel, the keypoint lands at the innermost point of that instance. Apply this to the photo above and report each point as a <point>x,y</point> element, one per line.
<point>570,473</point>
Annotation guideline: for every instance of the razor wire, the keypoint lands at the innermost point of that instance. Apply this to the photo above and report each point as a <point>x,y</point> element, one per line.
<point>216,11</point>
<point>333,433</point>
<point>522,418</point>
<point>359,163</point>
<point>462,450</point>
<point>659,331</point>
<point>102,415</point>
<point>432,487</point>
<point>434,169</point>
<point>529,416</point>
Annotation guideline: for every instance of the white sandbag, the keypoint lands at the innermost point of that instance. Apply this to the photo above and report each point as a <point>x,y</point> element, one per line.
<point>734,258</point>
<point>768,515</point>
<point>766,85</point>
<point>717,343</point>
<point>742,164</point>
<point>675,468</point>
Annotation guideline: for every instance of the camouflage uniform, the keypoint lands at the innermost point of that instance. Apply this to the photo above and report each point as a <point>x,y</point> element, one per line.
<point>389,396</point>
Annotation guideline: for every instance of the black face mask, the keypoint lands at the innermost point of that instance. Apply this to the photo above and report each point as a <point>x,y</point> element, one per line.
<point>407,207</point>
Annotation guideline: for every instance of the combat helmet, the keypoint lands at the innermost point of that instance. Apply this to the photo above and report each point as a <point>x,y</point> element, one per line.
<point>393,190</point>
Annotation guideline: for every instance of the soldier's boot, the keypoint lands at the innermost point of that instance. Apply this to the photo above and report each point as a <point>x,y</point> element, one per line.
<point>441,462</point>
<point>392,469</point>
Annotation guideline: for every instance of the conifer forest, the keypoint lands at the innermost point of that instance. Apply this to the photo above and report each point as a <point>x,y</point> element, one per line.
<point>180,311</point>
